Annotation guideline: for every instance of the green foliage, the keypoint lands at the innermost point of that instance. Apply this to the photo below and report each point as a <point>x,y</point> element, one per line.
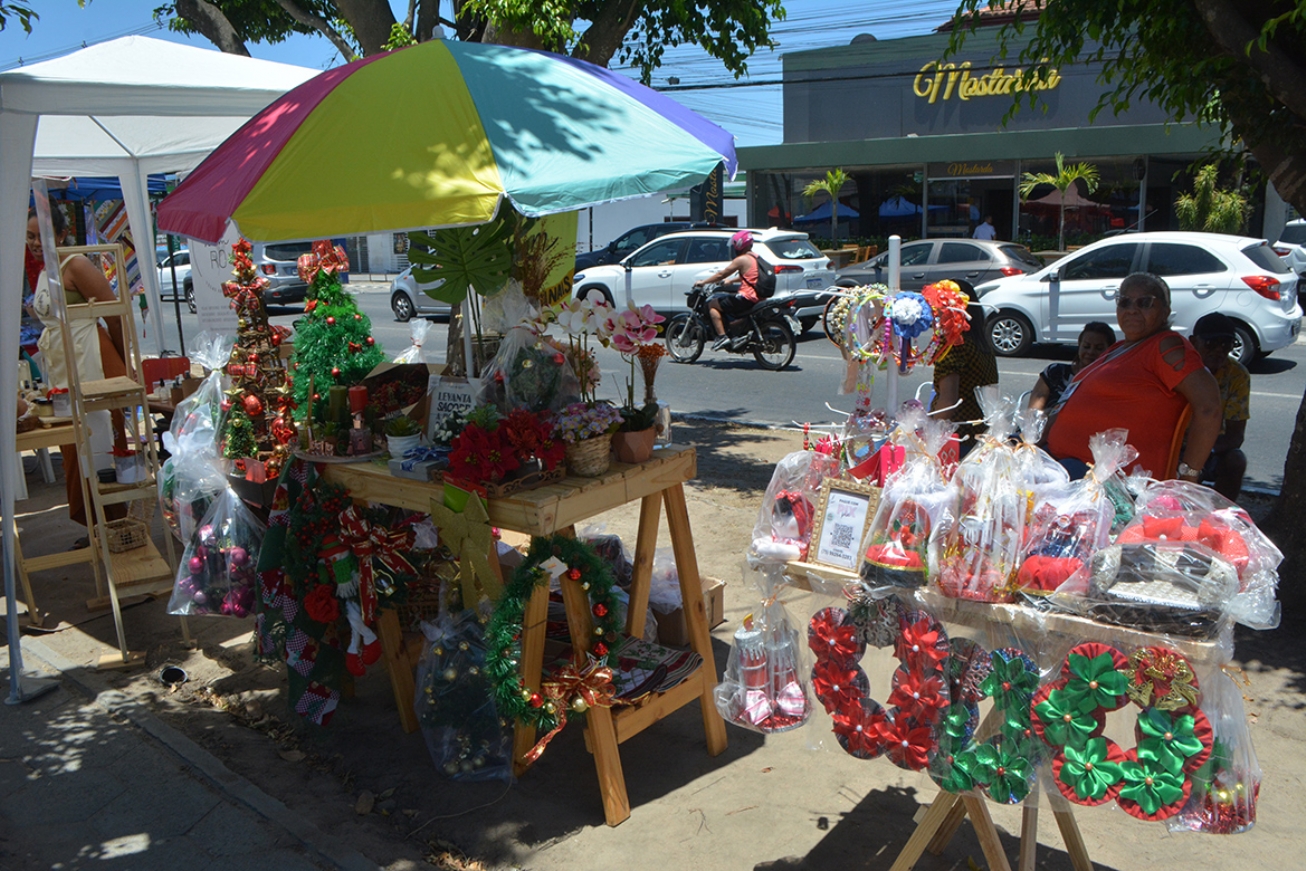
<point>322,347</point>
<point>22,11</point>
<point>253,20</point>
<point>638,419</point>
<point>833,182</point>
<point>399,37</point>
<point>1063,179</point>
<point>1209,208</point>
<point>402,426</point>
<point>479,258</point>
<point>238,435</point>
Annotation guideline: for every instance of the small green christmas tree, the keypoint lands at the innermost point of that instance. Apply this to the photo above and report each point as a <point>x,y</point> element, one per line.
<point>333,341</point>
<point>238,437</point>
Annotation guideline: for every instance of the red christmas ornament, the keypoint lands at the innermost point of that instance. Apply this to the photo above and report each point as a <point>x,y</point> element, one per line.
<point>536,700</point>
<point>317,396</point>
<point>252,358</point>
<point>574,574</point>
<point>354,347</point>
<point>276,340</point>
<point>358,317</point>
<point>226,405</point>
<point>310,305</point>
<point>600,610</point>
<point>331,321</point>
<point>253,405</point>
<point>370,341</point>
<point>335,372</point>
<point>600,649</point>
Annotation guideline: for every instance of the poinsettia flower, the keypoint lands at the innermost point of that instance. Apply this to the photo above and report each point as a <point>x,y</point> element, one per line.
<point>917,697</point>
<point>919,646</point>
<point>1064,724</point>
<point>838,685</point>
<point>860,726</point>
<point>1149,786</point>
<point>1166,741</point>
<point>1006,775</point>
<point>1095,683</point>
<point>909,746</point>
<point>1089,771</point>
<point>831,637</point>
<point>1012,682</point>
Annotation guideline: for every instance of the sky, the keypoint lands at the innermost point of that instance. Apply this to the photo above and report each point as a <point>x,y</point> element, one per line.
<point>748,108</point>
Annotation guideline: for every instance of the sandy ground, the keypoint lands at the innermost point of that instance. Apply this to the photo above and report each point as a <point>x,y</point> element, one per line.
<point>784,801</point>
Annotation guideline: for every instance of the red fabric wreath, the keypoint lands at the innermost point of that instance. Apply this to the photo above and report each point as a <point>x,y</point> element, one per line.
<point>859,728</point>
<point>838,686</point>
<point>322,605</point>
<point>833,636</point>
<point>917,697</point>
<point>921,646</point>
<point>907,744</point>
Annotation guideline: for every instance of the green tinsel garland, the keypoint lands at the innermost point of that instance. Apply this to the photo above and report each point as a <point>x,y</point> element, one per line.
<point>503,636</point>
<point>322,347</point>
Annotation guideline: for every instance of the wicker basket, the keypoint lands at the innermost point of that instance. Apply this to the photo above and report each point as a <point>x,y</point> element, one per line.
<point>590,458</point>
<point>125,534</point>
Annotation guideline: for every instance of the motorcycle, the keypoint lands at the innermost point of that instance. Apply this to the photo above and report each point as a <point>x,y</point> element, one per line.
<point>766,330</point>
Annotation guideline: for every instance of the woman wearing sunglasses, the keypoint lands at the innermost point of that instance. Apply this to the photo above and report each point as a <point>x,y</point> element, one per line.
<point>1142,383</point>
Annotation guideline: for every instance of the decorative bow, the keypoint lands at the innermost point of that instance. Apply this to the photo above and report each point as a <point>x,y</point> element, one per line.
<point>468,534</point>
<point>326,258</point>
<point>592,684</point>
<point>421,454</point>
<point>369,543</point>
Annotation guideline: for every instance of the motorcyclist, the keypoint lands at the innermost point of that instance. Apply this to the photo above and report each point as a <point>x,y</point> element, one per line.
<point>736,298</point>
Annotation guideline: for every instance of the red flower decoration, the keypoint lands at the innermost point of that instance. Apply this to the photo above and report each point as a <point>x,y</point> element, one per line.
<point>833,637</point>
<point>907,745</point>
<point>838,686</point>
<point>322,605</point>
<point>480,455</point>
<point>859,728</point>
<point>918,646</point>
<point>917,697</point>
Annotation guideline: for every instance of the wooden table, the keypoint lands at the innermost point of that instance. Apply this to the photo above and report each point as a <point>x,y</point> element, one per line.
<point>557,508</point>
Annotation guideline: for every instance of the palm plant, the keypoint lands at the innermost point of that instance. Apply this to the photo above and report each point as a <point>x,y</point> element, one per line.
<point>833,182</point>
<point>1062,180</point>
<point>1208,208</point>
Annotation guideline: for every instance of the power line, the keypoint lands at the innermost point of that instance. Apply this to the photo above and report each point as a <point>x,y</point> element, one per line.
<point>24,60</point>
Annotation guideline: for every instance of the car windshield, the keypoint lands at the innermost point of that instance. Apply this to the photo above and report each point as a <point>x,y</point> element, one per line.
<point>796,248</point>
<point>1294,234</point>
<point>1264,257</point>
<point>1021,254</point>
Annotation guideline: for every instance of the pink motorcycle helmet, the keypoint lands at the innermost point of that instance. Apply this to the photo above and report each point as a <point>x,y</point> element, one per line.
<point>741,241</point>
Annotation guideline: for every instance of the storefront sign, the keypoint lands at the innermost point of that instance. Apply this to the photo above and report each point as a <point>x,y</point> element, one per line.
<point>943,81</point>
<point>973,169</point>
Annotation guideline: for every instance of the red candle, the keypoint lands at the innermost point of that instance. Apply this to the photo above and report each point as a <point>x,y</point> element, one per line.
<point>357,399</point>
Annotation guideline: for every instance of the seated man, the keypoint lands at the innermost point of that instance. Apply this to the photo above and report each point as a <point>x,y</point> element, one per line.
<point>1213,337</point>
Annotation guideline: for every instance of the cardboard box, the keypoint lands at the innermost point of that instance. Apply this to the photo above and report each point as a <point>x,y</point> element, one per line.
<point>672,630</point>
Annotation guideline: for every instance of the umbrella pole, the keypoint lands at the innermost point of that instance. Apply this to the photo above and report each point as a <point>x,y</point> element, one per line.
<point>469,364</point>
<point>895,268</point>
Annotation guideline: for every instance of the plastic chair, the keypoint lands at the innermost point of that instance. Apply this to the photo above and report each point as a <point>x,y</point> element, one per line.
<point>1177,444</point>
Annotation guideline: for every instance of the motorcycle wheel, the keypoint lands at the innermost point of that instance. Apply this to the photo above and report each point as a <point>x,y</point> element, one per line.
<point>684,338</point>
<point>776,350</point>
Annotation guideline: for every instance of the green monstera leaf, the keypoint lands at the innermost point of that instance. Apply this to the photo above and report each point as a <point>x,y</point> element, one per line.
<point>479,258</point>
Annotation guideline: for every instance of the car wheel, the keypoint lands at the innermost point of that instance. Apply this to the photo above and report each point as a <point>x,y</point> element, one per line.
<point>1010,334</point>
<point>684,338</point>
<point>1245,349</point>
<point>596,291</point>
<point>190,297</point>
<point>402,306</point>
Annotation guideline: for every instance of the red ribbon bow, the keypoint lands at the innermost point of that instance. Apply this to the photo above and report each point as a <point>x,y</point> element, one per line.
<point>370,543</point>
<point>326,258</point>
<point>592,683</point>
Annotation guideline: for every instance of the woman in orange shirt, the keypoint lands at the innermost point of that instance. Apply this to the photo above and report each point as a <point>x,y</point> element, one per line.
<point>1142,384</point>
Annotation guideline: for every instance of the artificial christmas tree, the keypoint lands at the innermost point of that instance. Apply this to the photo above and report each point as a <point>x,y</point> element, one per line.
<point>333,341</point>
<point>258,429</point>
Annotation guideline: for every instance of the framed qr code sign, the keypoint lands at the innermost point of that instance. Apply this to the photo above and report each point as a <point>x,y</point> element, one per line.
<point>843,513</point>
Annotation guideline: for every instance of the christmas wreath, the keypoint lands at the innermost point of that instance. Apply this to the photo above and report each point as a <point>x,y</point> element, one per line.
<point>1174,739</point>
<point>576,687</point>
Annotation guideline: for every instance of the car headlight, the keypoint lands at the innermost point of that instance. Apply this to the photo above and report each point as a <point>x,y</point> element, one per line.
<point>579,276</point>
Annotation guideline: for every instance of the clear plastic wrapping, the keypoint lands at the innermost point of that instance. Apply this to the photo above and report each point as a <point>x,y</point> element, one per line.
<point>1226,787</point>
<point>764,687</point>
<point>784,524</point>
<point>217,574</point>
<point>417,329</point>
<point>529,371</point>
<point>455,705</point>
<point>1072,520</point>
<point>896,549</point>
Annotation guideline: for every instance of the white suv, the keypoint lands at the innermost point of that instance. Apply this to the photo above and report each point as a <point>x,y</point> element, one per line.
<point>664,270</point>
<point>1207,272</point>
<point>1292,245</point>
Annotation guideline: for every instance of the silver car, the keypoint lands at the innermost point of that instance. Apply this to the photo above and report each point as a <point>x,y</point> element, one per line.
<point>1207,272</point>
<point>408,298</point>
<point>1292,246</point>
<point>929,260</point>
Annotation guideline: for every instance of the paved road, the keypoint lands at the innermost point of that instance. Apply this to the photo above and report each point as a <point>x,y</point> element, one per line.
<point>733,387</point>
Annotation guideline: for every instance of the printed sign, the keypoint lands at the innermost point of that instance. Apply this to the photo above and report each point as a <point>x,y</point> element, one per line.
<point>448,396</point>
<point>210,266</point>
<point>844,511</point>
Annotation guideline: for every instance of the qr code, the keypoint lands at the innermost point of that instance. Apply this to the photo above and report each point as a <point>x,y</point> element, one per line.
<point>842,536</point>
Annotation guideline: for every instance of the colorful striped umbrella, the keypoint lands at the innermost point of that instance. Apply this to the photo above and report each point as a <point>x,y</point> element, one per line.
<point>436,135</point>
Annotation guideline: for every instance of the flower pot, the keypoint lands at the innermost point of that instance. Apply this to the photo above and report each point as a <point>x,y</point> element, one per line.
<point>590,458</point>
<point>634,447</point>
<point>399,445</point>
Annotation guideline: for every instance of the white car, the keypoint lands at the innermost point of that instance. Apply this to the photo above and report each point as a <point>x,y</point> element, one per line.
<point>1207,272</point>
<point>663,271</point>
<point>180,261</point>
<point>408,298</point>
<point>1292,245</point>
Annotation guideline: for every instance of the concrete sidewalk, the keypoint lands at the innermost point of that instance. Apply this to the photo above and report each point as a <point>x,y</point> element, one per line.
<point>87,776</point>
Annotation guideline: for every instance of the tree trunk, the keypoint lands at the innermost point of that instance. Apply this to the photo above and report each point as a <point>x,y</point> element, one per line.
<point>213,24</point>
<point>834,222</point>
<point>1061,224</point>
<point>371,21</point>
<point>427,17</point>
<point>607,31</point>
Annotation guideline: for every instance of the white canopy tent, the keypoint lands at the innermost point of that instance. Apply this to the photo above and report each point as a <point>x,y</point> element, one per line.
<point>128,107</point>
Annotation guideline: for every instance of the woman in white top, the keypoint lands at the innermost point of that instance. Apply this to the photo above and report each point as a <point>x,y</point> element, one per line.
<point>98,353</point>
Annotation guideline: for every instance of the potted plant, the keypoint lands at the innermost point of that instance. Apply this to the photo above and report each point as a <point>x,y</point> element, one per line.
<point>586,429</point>
<point>633,441</point>
<point>402,434</point>
<point>631,331</point>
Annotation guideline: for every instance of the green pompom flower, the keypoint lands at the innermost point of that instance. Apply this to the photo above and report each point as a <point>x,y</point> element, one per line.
<point>1095,683</point>
<point>1012,682</point>
<point>1064,724</point>
<point>960,775</point>
<point>1150,787</point>
<point>1167,741</point>
<point>1088,771</point>
<point>1006,775</point>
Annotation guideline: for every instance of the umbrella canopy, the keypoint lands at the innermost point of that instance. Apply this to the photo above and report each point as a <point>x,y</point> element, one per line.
<point>1074,200</point>
<point>822,213</point>
<point>436,135</point>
